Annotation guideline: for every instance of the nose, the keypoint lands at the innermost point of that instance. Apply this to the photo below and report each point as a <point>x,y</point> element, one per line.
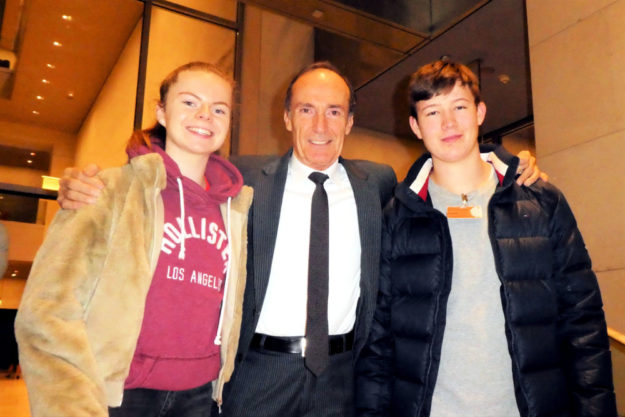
<point>449,120</point>
<point>203,111</point>
<point>319,123</point>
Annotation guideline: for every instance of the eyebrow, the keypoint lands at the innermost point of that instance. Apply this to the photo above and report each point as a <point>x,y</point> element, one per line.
<point>200,99</point>
<point>331,106</point>
<point>438,104</point>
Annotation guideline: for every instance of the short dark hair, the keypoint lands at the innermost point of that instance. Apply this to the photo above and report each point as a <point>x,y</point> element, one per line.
<point>327,65</point>
<point>440,77</point>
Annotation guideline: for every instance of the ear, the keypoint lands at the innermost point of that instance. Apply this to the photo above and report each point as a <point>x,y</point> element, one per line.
<point>287,121</point>
<point>350,123</point>
<point>414,125</point>
<point>481,113</point>
<point>160,115</point>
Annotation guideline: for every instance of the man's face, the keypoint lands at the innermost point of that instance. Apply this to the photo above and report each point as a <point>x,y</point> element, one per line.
<point>319,118</point>
<point>449,124</point>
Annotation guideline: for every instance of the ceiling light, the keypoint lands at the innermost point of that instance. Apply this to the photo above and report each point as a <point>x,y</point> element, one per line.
<point>45,81</point>
<point>51,66</point>
<point>504,78</point>
<point>70,95</point>
<point>30,161</point>
<point>39,97</point>
<point>35,112</point>
<point>32,154</point>
<point>66,17</point>
<point>57,43</point>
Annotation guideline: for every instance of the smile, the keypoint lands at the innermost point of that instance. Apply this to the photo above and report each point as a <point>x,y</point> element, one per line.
<point>200,131</point>
<point>320,141</point>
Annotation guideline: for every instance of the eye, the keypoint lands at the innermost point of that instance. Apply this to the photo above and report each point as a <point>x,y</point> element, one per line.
<point>221,111</point>
<point>188,103</point>
<point>305,110</point>
<point>431,113</point>
<point>335,112</point>
<point>461,107</point>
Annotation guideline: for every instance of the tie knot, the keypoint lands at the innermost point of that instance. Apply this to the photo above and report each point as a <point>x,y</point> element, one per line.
<point>318,177</point>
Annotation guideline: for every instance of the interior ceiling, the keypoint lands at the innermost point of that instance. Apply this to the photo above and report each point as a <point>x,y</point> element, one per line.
<point>91,43</point>
<point>377,43</point>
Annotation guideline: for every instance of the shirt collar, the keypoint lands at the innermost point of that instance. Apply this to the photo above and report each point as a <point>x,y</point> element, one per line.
<point>300,172</point>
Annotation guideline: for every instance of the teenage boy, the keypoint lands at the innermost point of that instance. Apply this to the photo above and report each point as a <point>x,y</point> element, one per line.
<point>487,303</point>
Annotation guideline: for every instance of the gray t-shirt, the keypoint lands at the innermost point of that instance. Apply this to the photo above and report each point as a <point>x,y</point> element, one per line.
<point>475,373</point>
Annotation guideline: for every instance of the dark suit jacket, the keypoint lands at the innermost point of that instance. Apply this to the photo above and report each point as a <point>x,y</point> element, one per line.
<point>372,185</point>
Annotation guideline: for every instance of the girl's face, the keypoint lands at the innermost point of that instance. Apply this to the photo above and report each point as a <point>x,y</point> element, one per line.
<point>196,114</point>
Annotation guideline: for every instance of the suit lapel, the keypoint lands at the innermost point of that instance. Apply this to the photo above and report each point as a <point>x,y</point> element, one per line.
<point>369,210</point>
<point>268,193</point>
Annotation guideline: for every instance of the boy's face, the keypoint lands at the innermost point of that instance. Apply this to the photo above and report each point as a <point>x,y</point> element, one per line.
<point>449,123</point>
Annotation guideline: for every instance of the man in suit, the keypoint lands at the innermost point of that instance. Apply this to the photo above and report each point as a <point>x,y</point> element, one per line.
<point>271,376</point>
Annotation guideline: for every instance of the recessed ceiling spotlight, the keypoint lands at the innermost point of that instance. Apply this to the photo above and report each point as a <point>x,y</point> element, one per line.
<point>30,161</point>
<point>32,154</point>
<point>66,17</point>
<point>39,97</point>
<point>51,66</point>
<point>45,81</point>
<point>57,43</point>
<point>70,95</point>
<point>35,112</point>
<point>504,78</point>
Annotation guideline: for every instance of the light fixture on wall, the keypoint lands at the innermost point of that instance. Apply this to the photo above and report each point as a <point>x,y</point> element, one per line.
<point>318,14</point>
<point>504,78</point>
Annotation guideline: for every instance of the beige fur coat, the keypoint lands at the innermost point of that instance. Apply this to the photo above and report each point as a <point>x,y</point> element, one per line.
<point>82,308</point>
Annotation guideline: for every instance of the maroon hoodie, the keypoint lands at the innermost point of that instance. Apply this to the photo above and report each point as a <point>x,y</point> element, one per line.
<point>176,348</point>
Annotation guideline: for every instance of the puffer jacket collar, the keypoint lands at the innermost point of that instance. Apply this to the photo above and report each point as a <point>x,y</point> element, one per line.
<point>413,190</point>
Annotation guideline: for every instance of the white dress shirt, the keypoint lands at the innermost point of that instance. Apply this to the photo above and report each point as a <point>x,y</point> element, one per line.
<point>284,307</point>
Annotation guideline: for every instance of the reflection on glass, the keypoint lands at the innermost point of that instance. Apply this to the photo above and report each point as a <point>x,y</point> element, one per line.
<point>425,16</point>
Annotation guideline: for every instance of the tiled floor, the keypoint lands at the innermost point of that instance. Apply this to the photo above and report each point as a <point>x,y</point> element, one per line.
<point>13,397</point>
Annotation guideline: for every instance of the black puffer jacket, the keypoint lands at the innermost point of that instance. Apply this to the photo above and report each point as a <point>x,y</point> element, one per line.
<point>555,324</point>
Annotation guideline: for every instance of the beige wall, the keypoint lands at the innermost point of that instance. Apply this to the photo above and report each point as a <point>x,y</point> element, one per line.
<point>102,137</point>
<point>400,154</point>
<point>577,56</point>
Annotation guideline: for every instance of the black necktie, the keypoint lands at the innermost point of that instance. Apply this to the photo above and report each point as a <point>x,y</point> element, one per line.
<point>317,345</point>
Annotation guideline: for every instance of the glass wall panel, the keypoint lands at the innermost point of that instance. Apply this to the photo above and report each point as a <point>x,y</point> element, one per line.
<point>176,39</point>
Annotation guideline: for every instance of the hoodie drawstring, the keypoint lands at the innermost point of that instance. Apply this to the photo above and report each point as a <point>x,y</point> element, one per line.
<point>183,232</point>
<point>224,301</point>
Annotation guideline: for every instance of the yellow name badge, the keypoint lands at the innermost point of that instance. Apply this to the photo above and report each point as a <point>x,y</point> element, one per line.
<point>464,212</point>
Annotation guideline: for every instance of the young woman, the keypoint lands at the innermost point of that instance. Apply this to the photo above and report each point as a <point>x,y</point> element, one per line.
<point>134,303</point>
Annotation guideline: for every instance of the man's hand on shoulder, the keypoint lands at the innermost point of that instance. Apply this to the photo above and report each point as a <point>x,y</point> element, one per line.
<point>529,170</point>
<point>78,187</point>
